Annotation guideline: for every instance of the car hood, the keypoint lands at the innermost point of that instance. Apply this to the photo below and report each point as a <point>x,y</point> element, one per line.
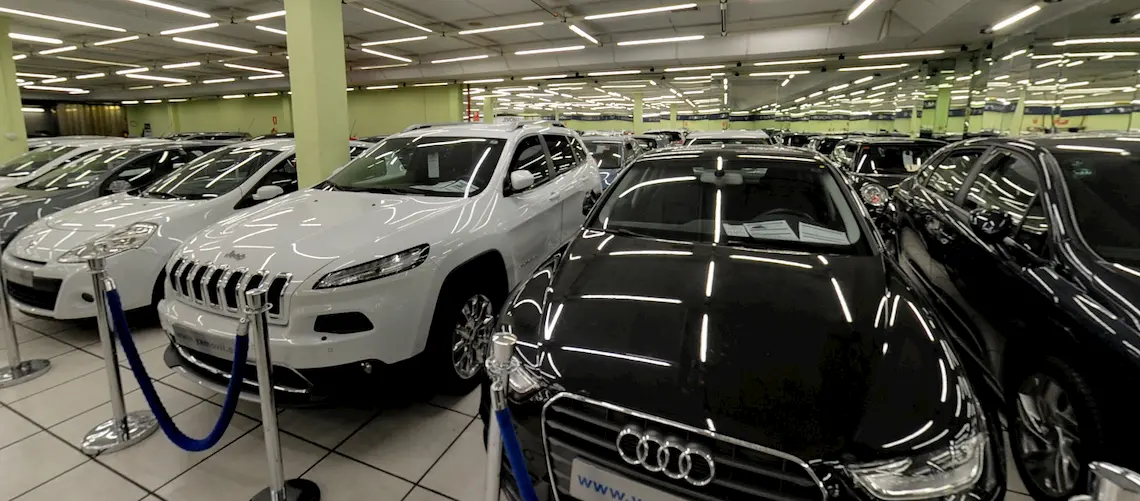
<point>19,207</point>
<point>767,353</point>
<point>303,232</point>
<point>48,238</point>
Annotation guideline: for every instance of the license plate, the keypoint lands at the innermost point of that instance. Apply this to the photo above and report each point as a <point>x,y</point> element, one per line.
<point>18,275</point>
<point>209,344</point>
<point>590,483</point>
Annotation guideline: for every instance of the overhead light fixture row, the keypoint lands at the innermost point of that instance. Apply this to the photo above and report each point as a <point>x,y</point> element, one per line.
<point>1009,21</point>
<point>90,75</point>
<point>396,19</point>
<point>132,70</point>
<point>156,78</point>
<point>190,64</point>
<point>381,87</point>
<point>650,41</point>
<point>212,45</point>
<point>695,68</point>
<point>613,73</point>
<point>549,50</point>
<point>57,50</point>
<point>394,40</point>
<point>1086,41</point>
<point>484,80</point>
<point>501,28</point>
<point>859,9</point>
<point>197,27</point>
<point>34,38</point>
<point>218,80</point>
<point>266,77</point>
<point>910,53</point>
<point>271,30</point>
<point>545,77</point>
<point>638,12</point>
<point>96,61</point>
<point>233,96</point>
<point>58,19</point>
<point>430,84</point>
<point>794,61</point>
<point>878,67</point>
<point>267,15</point>
<point>387,55</point>
<point>116,40</point>
<point>458,59</point>
<point>173,8</point>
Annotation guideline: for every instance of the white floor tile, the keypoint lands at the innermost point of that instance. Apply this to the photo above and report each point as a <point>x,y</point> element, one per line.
<point>83,482</point>
<point>78,336</point>
<point>49,326</point>
<point>40,347</point>
<point>73,430</point>
<point>64,368</point>
<point>342,479</point>
<point>407,441</point>
<point>33,461</point>
<point>461,472</point>
<point>70,399</point>
<point>468,404</point>
<point>246,408</point>
<point>13,427</point>
<point>240,470</point>
<point>23,335</point>
<point>324,427</point>
<point>421,494</point>
<point>179,381</point>
<point>153,362</point>
<point>145,341</point>
<point>156,461</point>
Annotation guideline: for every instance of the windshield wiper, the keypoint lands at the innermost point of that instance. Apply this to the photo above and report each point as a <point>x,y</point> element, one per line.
<point>159,194</point>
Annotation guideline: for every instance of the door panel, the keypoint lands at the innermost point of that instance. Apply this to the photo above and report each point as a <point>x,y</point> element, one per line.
<point>536,212</point>
<point>571,179</point>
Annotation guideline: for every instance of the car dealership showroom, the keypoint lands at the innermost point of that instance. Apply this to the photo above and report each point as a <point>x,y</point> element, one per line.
<point>395,250</point>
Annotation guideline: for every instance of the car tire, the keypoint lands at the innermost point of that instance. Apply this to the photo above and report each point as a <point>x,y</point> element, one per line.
<point>159,291</point>
<point>465,312</point>
<point>1053,411</point>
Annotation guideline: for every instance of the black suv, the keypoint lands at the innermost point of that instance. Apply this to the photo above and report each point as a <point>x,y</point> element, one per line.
<point>727,326</point>
<point>1032,247</point>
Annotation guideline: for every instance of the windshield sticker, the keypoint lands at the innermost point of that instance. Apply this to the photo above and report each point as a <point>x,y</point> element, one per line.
<point>433,165</point>
<point>814,234</point>
<point>735,230</point>
<point>456,186</point>
<point>771,230</point>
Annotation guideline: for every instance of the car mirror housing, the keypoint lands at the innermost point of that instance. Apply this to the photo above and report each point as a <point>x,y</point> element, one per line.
<point>267,192</point>
<point>990,225</point>
<point>521,180</point>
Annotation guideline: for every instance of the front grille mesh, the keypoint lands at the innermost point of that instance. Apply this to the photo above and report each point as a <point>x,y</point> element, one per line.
<point>218,287</point>
<point>577,429</point>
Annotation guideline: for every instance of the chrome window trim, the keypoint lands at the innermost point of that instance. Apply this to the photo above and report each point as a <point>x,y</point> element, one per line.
<point>667,422</point>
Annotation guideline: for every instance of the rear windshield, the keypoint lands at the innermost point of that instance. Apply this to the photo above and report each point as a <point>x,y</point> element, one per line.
<point>1103,189</point>
<point>608,154</point>
<point>728,140</point>
<point>24,165</point>
<point>672,135</point>
<point>893,158</point>
<point>743,199</point>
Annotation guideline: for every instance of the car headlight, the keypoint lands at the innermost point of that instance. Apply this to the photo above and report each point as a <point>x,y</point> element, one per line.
<point>934,474</point>
<point>874,194</point>
<point>377,268</point>
<point>115,242</point>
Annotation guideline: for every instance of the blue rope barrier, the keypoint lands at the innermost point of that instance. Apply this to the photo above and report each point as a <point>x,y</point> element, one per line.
<point>119,321</point>
<point>515,455</point>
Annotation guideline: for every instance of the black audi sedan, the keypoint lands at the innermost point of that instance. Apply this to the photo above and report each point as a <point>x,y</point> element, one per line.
<point>727,326</point>
<point>1032,248</point>
<point>103,172</point>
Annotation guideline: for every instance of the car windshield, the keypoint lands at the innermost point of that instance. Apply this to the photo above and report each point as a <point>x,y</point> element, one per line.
<point>673,136</point>
<point>1103,190</point>
<point>893,158</point>
<point>212,174</point>
<point>728,140</point>
<point>608,154</point>
<point>747,199</point>
<point>826,145</point>
<point>426,164</point>
<point>646,143</point>
<point>82,172</point>
<point>797,140</point>
<point>26,164</point>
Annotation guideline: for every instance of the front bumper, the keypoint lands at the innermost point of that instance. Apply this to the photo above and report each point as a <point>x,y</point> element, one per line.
<point>63,291</point>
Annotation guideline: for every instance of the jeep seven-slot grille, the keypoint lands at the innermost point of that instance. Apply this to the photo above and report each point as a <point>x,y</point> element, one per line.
<point>588,431</point>
<point>218,286</point>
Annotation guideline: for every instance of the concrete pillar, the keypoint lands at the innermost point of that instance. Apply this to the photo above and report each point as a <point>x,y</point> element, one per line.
<point>942,111</point>
<point>673,117</point>
<point>173,119</point>
<point>489,110</point>
<point>285,120</point>
<point>317,79</point>
<point>13,137</point>
<point>638,110</point>
<point>915,120</point>
<point>1016,128</point>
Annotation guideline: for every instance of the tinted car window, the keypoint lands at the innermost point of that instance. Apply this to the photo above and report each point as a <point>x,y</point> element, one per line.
<point>951,172</point>
<point>139,173</point>
<point>561,152</point>
<point>1103,188</point>
<point>83,171</point>
<point>892,158</point>
<point>436,165</point>
<point>761,200</point>
<point>1005,182</point>
<point>211,175</point>
<point>580,150</point>
<point>529,156</point>
<point>608,153</point>
<point>27,163</point>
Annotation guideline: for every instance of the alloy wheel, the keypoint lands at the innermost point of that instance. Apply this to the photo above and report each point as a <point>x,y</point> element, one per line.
<point>472,332</point>
<point>1047,424</point>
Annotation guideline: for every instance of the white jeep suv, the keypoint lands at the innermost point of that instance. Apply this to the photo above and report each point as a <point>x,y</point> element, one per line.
<point>406,253</point>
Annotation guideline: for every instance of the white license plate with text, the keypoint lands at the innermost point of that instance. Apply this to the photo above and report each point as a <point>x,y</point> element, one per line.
<point>590,483</point>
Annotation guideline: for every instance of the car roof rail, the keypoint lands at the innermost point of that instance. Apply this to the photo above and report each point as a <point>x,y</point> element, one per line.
<point>430,125</point>
<point>549,123</point>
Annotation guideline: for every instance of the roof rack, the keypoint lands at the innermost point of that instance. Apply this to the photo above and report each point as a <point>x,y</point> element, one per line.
<point>551,123</point>
<point>430,125</point>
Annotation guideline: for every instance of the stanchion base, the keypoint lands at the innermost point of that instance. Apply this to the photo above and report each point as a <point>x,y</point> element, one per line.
<point>106,437</point>
<point>26,371</point>
<point>297,489</point>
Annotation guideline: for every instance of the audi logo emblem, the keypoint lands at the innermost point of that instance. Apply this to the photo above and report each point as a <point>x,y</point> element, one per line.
<point>666,454</point>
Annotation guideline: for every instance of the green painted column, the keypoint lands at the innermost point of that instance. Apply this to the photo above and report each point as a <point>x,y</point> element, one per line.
<point>489,110</point>
<point>942,111</point>
<point>317,79</point>
<point>1016,128</point>
<point>173,118</point>
<point>13,137</point>
<point>638,113</point>
<point>285,119</point>
<point>673,117</point>
<point>915,120</point>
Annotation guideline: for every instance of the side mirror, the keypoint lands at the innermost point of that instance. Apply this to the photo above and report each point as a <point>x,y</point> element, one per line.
<point>267,192</point>
<point>521,180</point>
<point>990,225</point>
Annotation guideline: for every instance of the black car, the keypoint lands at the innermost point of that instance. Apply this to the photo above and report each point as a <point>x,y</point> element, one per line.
<point>612,153</point>
<point>1032,248</point>
<point>106,171</point>
<point>825,144</point>
<point>727,326</point>
<point>797,139</point>
<point>885,160</point>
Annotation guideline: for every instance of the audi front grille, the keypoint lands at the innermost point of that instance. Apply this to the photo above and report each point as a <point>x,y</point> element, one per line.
<point>576,427</point>
<point>217,287</point>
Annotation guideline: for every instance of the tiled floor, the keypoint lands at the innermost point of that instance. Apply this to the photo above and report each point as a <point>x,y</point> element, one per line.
<point>411,451</point>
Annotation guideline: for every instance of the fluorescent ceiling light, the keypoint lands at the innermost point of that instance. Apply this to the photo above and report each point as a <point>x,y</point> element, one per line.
<point>90,75</point>
<point>130,102</point>
<point>662,40</point>
<point>858,10</point>
<point>132,70</point>
<point>141,87</point>
<point>931,52</point>
<point>176,84</point>
<point>387,55</point>
<point>1014,54</point>
<point>59,19</point>
<point>380,66</point>
<point>173,8</point>
<point>1007,22</point>
<point>457,59</point>
<point>265,77</point>
<point>612,73</point>
<point>116,40</point>
<point>485,80</point>
<point>155,78</point>
<point>96,61</point>
<point>863,80</point>
<point>430,84</point>
<point>501,28</point>
<point>218,80</point>
<point>1074,63</point>
<point>630,86</point>
<point>686,79</point>
<point>394,40</point>
<point>233,96</point>
<point>795,61</point>
<point>212,45</point>
<point>381,87</point>
<point>778,73</point>
<point>177,100</point>
<point>18,57</point>
<point>152,101</point>
<point>1051,63</point>
<point>265,94</point>
<point>32,110</point>
<point>654,10</point>
<point>884,86</point>
<point>545,77</point>
<point>271,30</point>
<point>695,68</point>
<point>267,15</point>
<point>250,68</point>
<point>583,34</point>
<point>181,65</point>
<point>838,87</point>
<point>34,38</point>
<point>70,90</point>
<point>879,67</point>
<point>396,19</point>
<point>174,31</point>
<point>552,49</point>
<point>1085,41</point>
<point>57,50</point>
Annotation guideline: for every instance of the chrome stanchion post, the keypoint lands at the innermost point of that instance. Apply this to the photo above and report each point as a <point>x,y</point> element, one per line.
<point>499,368</point>
<point>279,489</point>
<point>1108,482</point>
<point>125,428</point>
<point>17,371</point>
